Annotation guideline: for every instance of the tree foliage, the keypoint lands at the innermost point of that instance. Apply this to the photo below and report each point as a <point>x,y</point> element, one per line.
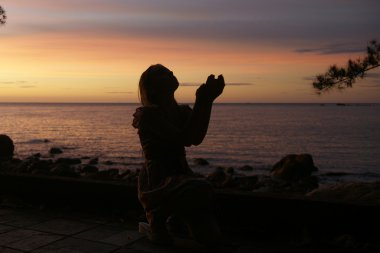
<point>343,77</point>
<point>3,16</point>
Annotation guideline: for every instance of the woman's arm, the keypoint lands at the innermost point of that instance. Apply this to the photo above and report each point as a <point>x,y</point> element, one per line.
<point>196,128</point>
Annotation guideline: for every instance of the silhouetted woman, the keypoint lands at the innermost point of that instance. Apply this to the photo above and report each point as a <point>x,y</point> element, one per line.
<point>166,185</point>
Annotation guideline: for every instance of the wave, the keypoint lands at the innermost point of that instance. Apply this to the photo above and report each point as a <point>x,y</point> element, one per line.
<point>34,141</point>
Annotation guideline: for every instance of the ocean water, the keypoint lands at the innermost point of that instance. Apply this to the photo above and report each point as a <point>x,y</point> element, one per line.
<point>344,140</point>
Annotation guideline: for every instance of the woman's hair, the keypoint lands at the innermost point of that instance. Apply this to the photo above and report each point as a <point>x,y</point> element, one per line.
<point>6,147</point>
<point>147,87</point>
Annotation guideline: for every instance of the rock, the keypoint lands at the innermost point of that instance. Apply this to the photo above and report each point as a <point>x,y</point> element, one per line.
<point>245,182</point>
<point>268,184</point>
<point>34,165</point>
<point>126,173</point>
<point>10,165</point>
<point>226,177</point>
<point>40,167</point>
<point>219,178</point>
<point>200,161</point>
<point>109,163</point>
<point>366,193</point>
<point>113,172</point>
<point>246,168</point>
<point>94,161</point>
<point>294,167</point>
<point>275,185</point>
<point>69,161</point>
<point>230,170</point>
<point>64,170</point>
<point>6,148</point>
<point>90,169</point>
<point>306,184</point>
<point>129,176</point>
<point>55,151</point>
<point>335,174</point>
<point>107,174</point>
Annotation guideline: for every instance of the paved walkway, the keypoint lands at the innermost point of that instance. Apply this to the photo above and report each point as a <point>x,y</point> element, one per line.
<point>45,230</point>
<point>30,230</point>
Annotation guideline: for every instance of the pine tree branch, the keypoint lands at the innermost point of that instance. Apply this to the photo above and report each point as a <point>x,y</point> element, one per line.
<point>340,78</point>
<point>3,16</point>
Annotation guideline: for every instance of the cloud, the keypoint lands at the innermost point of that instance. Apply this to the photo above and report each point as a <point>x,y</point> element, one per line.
<point>334,49</point>
<point>239,84</point>
<point>374,84</point>
<point>373,80</point>
<point>20,84</point>
<point>13,82</point>
<point>242,21</point>
<point>372,75</point>
<point>229,84</point>
<point>27,86</point>
<point>308,78</point>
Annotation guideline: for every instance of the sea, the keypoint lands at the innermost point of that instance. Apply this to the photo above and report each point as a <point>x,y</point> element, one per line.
<point>343,139</point>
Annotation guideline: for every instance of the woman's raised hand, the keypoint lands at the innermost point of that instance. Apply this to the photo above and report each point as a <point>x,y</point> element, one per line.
<point>212,89</point>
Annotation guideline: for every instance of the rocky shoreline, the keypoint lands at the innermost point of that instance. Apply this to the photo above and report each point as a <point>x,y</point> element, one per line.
<point>292,175</point>
<point>287,201</point>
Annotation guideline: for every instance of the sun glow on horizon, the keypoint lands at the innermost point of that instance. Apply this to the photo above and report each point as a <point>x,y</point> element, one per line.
<point>74,53</point>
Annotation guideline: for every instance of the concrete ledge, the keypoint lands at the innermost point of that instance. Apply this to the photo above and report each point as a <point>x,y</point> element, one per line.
<point>245,210</point>
<point>77,191</point>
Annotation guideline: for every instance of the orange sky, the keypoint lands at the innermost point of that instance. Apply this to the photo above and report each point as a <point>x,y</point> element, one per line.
<point>69,52</point>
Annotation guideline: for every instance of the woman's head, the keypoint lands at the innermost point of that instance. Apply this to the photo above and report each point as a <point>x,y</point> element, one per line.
<point>156,83</point>
<point>6,147</point>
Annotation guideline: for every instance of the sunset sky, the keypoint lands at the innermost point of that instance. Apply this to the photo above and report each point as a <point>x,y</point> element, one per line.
<point>267,50</point>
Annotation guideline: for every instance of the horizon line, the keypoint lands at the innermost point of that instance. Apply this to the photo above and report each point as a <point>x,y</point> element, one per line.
<point>126,103</point>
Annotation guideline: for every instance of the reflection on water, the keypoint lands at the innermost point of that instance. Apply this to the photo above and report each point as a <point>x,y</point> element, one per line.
<point>344,139</point>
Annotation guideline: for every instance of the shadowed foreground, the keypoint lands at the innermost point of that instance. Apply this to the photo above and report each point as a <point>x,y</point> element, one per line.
<point>45,214</point>
<point>30,229</point>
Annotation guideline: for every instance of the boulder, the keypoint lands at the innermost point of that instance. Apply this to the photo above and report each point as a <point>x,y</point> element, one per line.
<point>111,174</point>
<point>294,167</point>
<point>247,183</point>
<point>34,165</point>
<point>230,170</point>
<point>219,178</point>
<point>90,169</point>
<point>40,167</point>
<point>94,161</point>
<point>246,168</point>
<point>68,161</point>
<point>64,170</point>
<point>129,176</point>
<point>37,155</point>
<point>55,151</point>
<point>109,163</point>
<point>6,148</point>
<point>200,161</point>
<point>10,165</point>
